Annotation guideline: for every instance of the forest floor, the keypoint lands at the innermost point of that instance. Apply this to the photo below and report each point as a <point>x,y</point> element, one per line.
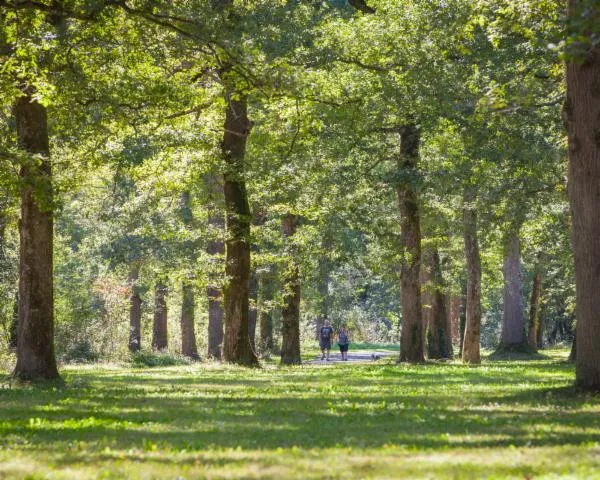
<point>517,419</point>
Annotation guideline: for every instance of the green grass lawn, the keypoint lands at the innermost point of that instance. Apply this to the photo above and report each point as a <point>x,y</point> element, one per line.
<point>498,420</point>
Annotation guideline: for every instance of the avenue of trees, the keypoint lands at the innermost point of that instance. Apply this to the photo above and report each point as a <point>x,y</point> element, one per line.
<point>217,178</point>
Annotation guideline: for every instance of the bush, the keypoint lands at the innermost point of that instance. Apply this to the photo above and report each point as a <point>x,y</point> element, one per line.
<point>81,352</point>
<point>147,358</point>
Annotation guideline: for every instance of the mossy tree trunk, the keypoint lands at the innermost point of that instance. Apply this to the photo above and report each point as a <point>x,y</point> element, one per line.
<point>237,347</point>
<point>35,337</point>
<point>411,338</point>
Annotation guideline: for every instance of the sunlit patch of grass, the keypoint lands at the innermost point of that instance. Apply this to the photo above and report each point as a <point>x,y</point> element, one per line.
<point>375,420</point>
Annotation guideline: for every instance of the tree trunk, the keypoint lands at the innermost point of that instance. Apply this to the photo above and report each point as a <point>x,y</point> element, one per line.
<point>411,339</point>
<point>290,326</point>
<point>534,309</point>
<point>159,325</point>
<point>582,114</point>
<point>471,340</point>
<point>434,308</point>
<point>188,302</point>
<point>35,339</point>
<point>513,320</point>
<point>237,347</point>
<point>216,249</point>
<point>135,309</point>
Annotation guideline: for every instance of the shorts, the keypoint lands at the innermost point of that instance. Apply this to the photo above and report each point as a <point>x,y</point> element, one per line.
<point>343,348</point>
<point>325,345</point>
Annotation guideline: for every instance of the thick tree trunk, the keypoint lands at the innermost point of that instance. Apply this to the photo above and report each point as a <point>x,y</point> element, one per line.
<point>159,325</point>
<point>265,317</point>
<point>188,302</point>
<point>35,339</point>
<point>290,325</point>
<point>513,320</point>
<point>237,347</point>
<point>534,309</point>
<point>135,309</point>
<point>216,249</point>
<point>434,308</point>
<point>582,114</point>
<point>411,339</point>
<point>471,340</point>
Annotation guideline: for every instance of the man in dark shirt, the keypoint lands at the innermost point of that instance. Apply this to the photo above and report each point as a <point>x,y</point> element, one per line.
<point>325,339</point>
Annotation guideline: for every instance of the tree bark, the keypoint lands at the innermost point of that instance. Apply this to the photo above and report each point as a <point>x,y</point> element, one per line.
<point>513,320</point>
<point>35,339</point>
<point>159,325</point>
<point>434,308</point>
<point>216,249</point>
<point>188,301</point>
<point>471,341</point>
<point>411,339</point>
<point>582,115</point>
<point>237,347</point>
<point>135,309</point>
<point>534,309</point>
<point>290,325</point>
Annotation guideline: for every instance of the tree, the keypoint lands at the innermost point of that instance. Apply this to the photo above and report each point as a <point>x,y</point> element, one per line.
<point>290,325</point>
<point>188,302</point>
<point>35,339</point>
<point>411,342</point>
<point>471,338</point>
<point>236,346</point>
<point>582,115</point>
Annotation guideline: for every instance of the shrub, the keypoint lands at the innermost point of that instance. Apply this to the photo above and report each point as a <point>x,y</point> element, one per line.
<point>147,358</point>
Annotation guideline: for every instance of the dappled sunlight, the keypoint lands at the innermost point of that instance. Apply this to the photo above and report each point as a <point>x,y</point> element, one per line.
<point>192,416</point>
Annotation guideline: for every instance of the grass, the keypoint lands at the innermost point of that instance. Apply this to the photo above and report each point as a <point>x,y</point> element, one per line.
<point>502,419</point>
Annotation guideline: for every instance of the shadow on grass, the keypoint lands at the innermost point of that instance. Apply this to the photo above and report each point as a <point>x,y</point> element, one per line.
<point>425,407</point>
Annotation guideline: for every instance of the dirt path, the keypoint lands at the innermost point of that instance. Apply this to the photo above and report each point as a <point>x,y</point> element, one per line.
<point>362,356</point>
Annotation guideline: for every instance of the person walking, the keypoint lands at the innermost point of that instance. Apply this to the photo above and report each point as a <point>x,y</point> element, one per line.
<point>325,339</point>
<point>344,341</point>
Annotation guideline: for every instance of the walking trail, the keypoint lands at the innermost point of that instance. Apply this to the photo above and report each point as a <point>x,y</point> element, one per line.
<point>362,356</point>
